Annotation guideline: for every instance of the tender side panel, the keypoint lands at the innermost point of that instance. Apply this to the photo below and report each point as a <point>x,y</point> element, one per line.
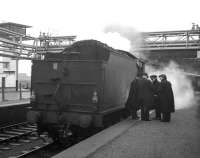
<point>119,72</point>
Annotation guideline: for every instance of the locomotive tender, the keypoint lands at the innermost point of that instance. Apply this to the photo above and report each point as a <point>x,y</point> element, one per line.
<point>85,85</point>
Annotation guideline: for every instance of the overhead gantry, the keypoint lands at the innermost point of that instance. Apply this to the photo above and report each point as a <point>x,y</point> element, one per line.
<point>15,43</point>
<point>182,39</point>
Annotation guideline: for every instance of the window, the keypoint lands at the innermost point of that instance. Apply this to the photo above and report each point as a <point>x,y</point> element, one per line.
<point>55,66</point>
<point>6,65</point>
<point>9,72</point>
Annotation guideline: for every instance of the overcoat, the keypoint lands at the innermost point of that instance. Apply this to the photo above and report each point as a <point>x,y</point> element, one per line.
<point>145,93</point>
<point>132,101</point>
<point>156,89</point>
<point>166,97</point>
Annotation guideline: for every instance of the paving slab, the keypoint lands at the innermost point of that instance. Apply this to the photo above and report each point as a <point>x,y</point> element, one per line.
<point>154,139</point>
<point>92,144</point>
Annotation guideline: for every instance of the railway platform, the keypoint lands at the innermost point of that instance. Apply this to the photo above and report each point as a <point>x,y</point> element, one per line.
<point>145,139</point>
<point>13,111</point>
<point>14,102</point>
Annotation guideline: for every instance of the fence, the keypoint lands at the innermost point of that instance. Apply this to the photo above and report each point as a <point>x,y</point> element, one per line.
<point>8,94</point>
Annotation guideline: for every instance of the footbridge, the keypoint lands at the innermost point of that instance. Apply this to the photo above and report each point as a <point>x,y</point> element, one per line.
<point>171,40</point>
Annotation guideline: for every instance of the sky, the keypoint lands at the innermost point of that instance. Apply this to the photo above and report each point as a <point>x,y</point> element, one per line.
<point>88,18</point>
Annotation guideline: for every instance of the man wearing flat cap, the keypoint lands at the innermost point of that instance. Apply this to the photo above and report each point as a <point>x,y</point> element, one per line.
<point>145,96</point>
<point>166,99</point>
<point>156,88</point>
<point>132,101</point>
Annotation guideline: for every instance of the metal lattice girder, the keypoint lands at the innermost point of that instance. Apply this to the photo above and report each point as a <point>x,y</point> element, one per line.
<point>8,33</point>
<point>15,43</point>
<point>21,50</point>
<point>171,39</point>
<point>12,43</point>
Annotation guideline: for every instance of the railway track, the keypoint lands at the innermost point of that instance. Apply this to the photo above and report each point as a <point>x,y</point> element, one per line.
<point>21,140</point>
<point>36,151</point>
<point>16,131</point>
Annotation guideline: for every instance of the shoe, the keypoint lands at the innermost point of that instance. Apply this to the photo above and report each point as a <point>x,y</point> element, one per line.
<point>135,118</point>
<point>156,118</point>
<point>147,120</point>
<point>164,121</point>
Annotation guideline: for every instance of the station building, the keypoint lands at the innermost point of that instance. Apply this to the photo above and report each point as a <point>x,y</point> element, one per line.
<point>9,66</point>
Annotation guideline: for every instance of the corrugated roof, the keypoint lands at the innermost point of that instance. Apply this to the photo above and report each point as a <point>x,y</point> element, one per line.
<point>14,24</point>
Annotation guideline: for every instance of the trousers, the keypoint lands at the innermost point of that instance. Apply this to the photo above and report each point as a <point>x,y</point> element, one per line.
<point>144,113</point>
<point>157,111</point>
<point>166,117</point>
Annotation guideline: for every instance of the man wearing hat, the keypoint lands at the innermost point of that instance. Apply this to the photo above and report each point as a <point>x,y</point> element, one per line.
<point>132,101</point>
<point>166,98</point>
<point>156,88</point>
<point>145,96</point>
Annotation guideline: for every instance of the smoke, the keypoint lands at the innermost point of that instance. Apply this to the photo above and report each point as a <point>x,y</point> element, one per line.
<point>184,94</point>
<point>129,33</point>
<point>114,40</point>
<point>182,87</point>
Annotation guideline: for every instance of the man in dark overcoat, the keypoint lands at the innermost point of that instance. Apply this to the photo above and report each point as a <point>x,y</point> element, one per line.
<point>166,99</point>
<point>156,89</point>
<point>132,101</point>
<point>145,96</point>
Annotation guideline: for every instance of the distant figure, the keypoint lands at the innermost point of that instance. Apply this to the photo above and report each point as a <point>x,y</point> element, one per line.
<point>166,99</point>
<point>156,88</point>
<point>132,101</point>
<point>145,96</point>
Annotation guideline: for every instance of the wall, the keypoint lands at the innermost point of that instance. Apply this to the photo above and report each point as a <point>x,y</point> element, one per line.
<point>9,73</point>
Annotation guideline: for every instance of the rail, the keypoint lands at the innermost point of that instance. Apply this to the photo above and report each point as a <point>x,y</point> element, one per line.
<point>16,131</point>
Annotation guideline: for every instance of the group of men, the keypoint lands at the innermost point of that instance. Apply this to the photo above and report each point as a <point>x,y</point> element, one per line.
<point>148,94</point>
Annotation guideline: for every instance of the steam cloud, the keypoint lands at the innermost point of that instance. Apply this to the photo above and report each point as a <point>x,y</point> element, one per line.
<point>129,33</point>
<point>114,40</point>
<point>182,87</point>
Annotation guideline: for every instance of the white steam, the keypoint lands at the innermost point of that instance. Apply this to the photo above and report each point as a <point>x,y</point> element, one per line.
<point>114,40</point>
<point>184,95</point>
<point>128,33</point>
<point>127,38</point>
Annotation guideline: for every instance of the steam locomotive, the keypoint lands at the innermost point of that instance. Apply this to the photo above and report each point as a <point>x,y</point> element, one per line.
<point>84,86</point>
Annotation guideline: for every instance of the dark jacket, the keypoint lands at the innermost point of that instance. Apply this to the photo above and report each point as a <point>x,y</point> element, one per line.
<point>132,101</point>
<point>156,89</point>
<point>145,93</point>
<point>166,97</point>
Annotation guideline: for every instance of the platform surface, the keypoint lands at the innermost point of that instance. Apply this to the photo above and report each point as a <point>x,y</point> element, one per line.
<point>154,139</point>
<point>14,102</point>
<point>92,144</point>
<point>11,95</point>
